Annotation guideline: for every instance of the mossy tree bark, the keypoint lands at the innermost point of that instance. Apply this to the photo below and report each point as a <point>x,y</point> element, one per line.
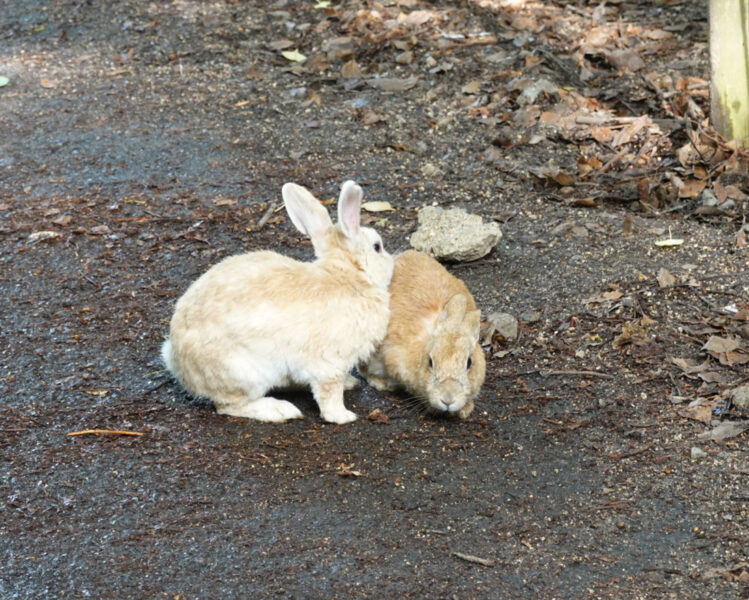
<point>729,66</point>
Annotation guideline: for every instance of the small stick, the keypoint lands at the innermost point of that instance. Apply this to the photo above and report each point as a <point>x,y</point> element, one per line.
<point>583,373</point>
<point>104,431</point>
<point>157,386</point>
<point>487,562</point>
<point>266,216</point>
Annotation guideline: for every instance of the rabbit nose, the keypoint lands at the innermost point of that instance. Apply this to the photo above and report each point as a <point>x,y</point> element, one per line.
<point>447,400</point>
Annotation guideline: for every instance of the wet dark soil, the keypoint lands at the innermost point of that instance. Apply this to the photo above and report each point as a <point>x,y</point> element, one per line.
<point>141,142</point>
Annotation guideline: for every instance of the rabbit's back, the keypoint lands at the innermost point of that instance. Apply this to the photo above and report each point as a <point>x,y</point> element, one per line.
<point>270,320</point>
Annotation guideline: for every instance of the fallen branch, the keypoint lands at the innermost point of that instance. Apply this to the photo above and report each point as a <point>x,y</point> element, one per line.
<point>104,432</point>
<point>487,562</point>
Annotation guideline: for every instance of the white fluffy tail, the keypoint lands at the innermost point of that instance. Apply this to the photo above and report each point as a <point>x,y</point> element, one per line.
<point>167,356</point>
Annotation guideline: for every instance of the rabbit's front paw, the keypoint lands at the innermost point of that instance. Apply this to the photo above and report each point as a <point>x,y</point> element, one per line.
<point>340,415</point>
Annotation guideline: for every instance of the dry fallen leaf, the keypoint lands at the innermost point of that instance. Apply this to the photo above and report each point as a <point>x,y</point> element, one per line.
<point>39,236</point>
<point>626,59</point>
<point>474,87</point>
<point>339,48</point>
<point>669,242</point>
<point>347,471</point>
<point>718,344</point>
<point>63,220</point>
<point>633,332</point>
<point>692,188</point>
<point>370,117</point>
<point>377,206</point>
<point>690,367</point>
<point>393,84</point>
<point>725,430</point>
<point>280,45</point>
<point>697,411</point>
<point>294,56</point>
<point>351,69</point>
<point>732,358</point>
<point>741,239</point>
<point>405,58</point>
<point>665,278</point>
<point>420,17</point>
<point>378,416</point>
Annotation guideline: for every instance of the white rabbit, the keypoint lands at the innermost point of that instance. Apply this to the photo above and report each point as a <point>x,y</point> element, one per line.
<point>262,321</point>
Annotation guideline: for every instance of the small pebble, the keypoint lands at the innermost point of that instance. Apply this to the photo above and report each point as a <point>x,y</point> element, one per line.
<point>697,453</point>
<point>740,397</point>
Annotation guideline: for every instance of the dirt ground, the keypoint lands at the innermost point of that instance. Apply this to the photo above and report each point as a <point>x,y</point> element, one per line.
<point>140,142</point>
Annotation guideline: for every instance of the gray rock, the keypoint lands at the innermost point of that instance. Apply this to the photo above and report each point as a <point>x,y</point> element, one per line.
<point>740,397</point>
<point>504,324</point>
<point>709,198</point>
<point>453,234</point>
<point>531,316</point>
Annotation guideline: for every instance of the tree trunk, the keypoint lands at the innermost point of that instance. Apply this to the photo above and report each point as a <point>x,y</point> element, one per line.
<point>729,66</point>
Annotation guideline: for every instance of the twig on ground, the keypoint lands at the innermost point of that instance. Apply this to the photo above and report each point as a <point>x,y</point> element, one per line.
<point>581,373</point>
<point>104,432</point>
<point>266,216</point>
<point>157,386</point>
<point>487,562</point>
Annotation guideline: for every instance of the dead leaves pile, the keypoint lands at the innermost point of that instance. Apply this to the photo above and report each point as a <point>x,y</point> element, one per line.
<point>701,387</point>
<point>539,73</point>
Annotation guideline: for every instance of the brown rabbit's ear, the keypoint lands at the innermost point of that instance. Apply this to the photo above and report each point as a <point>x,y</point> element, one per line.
<point>349,209</point>
<point>308,215</point>
<point>454,311</point>
<point>472,322</point>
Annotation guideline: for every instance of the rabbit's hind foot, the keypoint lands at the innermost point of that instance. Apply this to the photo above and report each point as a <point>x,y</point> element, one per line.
<point>268,409</point>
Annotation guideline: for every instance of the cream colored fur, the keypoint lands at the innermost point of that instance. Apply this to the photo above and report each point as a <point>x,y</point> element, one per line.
<point>432,317</point>
<point>261,321</point>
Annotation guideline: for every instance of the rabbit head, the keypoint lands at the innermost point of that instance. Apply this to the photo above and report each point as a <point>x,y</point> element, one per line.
<point>453,364</point>
<point>347,240</point>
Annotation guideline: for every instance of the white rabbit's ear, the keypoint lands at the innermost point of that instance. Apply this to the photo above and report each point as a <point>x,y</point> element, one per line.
<point>454,311</point>
<point>308,215</point>
<point>349,209</point>
<point>472,322</point>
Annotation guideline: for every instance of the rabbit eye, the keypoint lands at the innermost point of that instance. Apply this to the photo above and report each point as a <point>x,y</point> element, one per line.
<point>469,363</point>
<point>377,247</point>
<point>431,364</point>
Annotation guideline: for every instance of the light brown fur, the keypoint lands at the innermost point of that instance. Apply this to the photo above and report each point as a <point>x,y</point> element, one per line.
<point>432,316</point>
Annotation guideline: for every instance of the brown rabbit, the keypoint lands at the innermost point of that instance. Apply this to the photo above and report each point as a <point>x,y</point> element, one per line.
<point>432,343</point>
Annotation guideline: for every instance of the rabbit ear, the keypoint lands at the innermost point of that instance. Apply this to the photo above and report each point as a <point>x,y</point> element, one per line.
<point>349,209</point>
<point>454,311</point>
<point>307,214</point>
<point>472,322</point>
